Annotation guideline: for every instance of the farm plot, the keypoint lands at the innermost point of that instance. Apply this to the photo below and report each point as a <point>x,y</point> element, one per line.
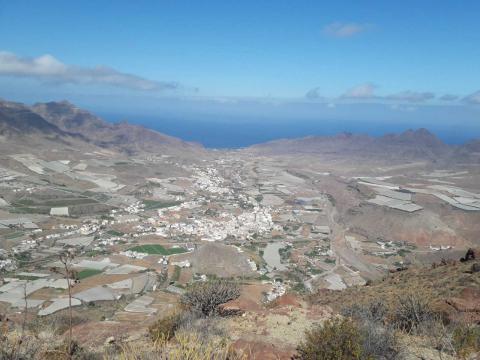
<point>156,249</point>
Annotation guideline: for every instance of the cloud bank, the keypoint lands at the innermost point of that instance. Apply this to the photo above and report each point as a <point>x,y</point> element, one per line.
<point>367,92</point>
<point>473,99</point>
<point>363,91</point>
<point>411,96</point>
<point>48,68</point>
<point>344,30</point>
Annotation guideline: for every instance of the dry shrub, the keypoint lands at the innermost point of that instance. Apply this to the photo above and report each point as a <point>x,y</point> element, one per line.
<point>14,346</point>
<point>206,327</point>
<point>459,339</point>
<point>379,340</point>
<point>22,343</point>
<point>204,298</point>
<point>57,323</point>
<point>164,329</point>
<point>436,335</point>
<point>190,346</point>
<point>184,346</point>
<point>412,313</point>
<point>65,352</point>
<point>466,340</point>
<point>337,339</point>
<point>374,312</point>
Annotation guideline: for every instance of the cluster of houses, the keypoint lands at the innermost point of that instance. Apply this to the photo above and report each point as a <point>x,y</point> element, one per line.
<point>257,221</point>
<point>209,180</point>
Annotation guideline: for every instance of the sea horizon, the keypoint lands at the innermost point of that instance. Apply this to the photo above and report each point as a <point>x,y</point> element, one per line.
<point>235,133</point>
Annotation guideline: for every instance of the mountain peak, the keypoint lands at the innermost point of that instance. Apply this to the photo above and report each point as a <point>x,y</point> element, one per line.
<point>420,133</point>
<point>19,119</point>
<point>68,117</point>
<point>63,105</point>
<point>124,136</point>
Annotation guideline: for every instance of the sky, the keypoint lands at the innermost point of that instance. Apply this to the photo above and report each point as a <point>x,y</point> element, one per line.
<point>248,59</point>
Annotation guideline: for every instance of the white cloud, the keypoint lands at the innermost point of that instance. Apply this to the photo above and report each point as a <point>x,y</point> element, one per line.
<point>473,98</point>
<point>48,68</point>
<point>397,101</point>
<point>411,96</point>
<point>343,30</point>
<point>363,91</point>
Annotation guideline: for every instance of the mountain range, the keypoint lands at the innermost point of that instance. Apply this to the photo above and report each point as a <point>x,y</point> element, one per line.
<point>55,124</point>
<point>409,145</point>
<point>61,124</point>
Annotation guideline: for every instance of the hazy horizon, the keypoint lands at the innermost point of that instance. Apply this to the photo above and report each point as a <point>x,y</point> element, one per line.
<point>228,125</point>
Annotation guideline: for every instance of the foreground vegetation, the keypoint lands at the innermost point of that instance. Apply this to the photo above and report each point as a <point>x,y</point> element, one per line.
<point>376,331</point>
<point>195,330</point>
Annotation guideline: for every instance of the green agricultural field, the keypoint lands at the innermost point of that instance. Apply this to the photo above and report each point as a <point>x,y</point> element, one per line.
<point>115,233</point>
<point>85,273</point>
<point>29,210</point>
<point>176,273</point>
<point>154,204</point>
<point>155,249</point>
<point>14,235</point>
<point>69,202</point>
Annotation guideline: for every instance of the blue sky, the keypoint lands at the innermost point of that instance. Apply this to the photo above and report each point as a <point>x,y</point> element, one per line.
<point>147,55</point>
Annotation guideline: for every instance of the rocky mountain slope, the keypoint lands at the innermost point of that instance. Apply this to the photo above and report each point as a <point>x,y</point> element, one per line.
<point>16,119</point>
<point>22,130</point>
<point>57,124</point>
<point>126,137</point>
<point>410,145</point>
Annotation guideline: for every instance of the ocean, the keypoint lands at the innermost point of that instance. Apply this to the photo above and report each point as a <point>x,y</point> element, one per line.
<point>237,133</point>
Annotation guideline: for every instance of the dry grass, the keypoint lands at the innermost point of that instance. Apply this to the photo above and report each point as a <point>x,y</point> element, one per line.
<point>434,284</point>
<point>15,346</point>
<point>415,304</point>
<point>185,346</point>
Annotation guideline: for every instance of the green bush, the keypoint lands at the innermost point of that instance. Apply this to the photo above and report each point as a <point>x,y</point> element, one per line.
<point>205,297</point>
<point>337,339</point>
